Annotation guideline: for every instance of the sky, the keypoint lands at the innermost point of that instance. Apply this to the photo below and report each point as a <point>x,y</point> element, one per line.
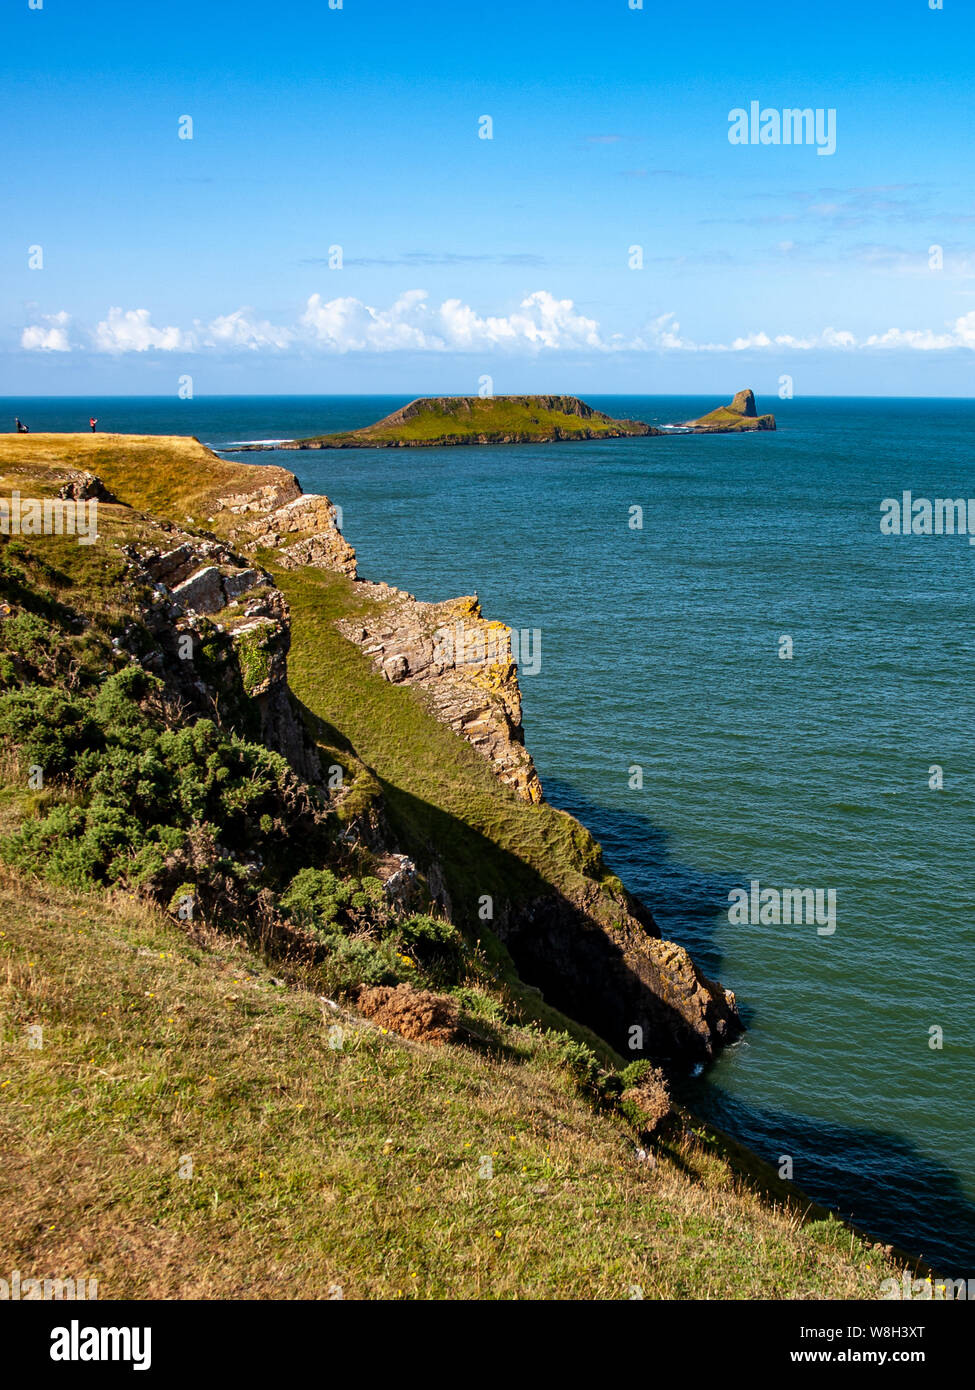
<point>339,224</point>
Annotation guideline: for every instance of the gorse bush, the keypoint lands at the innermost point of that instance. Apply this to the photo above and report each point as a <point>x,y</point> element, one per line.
<point>322,903</point>
<point>146,787</point>
<point>205,820</point>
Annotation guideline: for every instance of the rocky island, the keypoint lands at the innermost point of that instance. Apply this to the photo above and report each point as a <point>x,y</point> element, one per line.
<point>447,420</point>
<point>740,415</point>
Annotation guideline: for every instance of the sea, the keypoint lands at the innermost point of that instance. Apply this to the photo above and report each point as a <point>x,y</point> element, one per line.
<point>743,681</point>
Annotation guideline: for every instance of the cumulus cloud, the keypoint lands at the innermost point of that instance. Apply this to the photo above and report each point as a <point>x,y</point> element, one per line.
<point>412,322</point>
<point>540,323</point>
<point>132,330</point>
<point>239,330</point>
<point>49,336</point>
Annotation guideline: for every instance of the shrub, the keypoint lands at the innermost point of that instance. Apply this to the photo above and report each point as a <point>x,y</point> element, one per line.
<point>433,942</point>
<point>579,1061</point>
<point>356,961</point>
<point>318,900</point>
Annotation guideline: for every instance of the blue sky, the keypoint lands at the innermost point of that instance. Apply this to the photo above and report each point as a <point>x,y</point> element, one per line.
<point>462,257</point>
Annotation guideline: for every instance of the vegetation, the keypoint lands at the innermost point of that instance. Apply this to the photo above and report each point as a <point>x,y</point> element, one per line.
<point>194,1127</point>
<point>476,419</point>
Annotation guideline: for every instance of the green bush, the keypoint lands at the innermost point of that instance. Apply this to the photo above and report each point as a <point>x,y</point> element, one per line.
<point>320,902</point>
<point>636,1072</point>
<point>149,789</point>
<point>356,961</point>
<point>579,1061</point>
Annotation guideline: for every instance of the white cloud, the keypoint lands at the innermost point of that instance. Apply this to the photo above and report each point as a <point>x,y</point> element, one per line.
<point>665,335</point>
<point>541,321</point>
<point>238,330</point>
<point>132,330</point>
<point>413,324</point>
<point>54,338</point>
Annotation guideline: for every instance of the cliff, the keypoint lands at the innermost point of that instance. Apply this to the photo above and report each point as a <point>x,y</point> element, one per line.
<point>434,732</point>
<point>274,888</point>
<point>741,414</point>
<point>451,420</point>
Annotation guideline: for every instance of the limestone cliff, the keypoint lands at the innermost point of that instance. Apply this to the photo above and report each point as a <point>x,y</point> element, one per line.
<point>207,613</point>
<point>594,950</point>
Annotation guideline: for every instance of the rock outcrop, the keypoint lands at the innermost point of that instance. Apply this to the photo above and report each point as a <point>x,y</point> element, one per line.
<point>460,661</point>
<point>741,414</point>
<point>301,526</point>
<point>82,486</point>
<point>463,665</point>
<point>221,633</point>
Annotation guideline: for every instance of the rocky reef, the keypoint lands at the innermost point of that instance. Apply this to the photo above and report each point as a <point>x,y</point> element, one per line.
<point>741,414</point>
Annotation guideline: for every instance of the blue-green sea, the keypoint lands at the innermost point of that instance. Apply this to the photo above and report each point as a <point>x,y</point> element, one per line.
<point>660,650</point>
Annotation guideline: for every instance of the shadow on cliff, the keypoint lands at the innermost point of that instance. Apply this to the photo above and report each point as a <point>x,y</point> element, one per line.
<point>556,942</point>
<point>686,902</point>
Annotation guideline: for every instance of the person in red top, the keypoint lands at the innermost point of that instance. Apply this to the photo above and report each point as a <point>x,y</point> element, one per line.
<point>93,422</point>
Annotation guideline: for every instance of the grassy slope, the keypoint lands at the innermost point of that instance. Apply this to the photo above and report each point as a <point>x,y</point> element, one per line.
<point>156,1047</point>
<point>173,476</point>
<point>730,419</point>
<point>493,415</point>
<point>313,1166</point>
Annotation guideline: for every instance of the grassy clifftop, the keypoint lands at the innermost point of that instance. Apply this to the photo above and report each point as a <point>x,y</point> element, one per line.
<point>449,420</point>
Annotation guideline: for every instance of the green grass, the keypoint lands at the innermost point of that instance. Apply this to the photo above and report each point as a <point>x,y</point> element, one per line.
<point>314,1167</point>
<point>463,417</point>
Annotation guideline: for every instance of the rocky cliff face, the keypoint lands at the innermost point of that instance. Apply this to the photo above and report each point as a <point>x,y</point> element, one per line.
<point>458,659</point>
<point>222,633</point>
<point>462,664</point>
<point>299,526</point>
<point>595,952</point>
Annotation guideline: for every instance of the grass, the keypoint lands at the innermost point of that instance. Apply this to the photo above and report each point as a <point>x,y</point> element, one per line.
<point>169,475</point>
<point>467,417</point>
<point>315,1168</point>
<point>441,795</point>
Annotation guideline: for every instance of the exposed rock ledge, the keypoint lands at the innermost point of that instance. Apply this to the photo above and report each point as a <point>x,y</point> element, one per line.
<point>463,665</point>
<point>472,686</point>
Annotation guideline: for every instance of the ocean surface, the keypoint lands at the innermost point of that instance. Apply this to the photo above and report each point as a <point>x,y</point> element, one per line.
<point>661,651</point>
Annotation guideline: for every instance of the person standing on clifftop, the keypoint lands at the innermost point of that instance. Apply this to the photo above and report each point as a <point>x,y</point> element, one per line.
<point>21,427</point>
<point>93,422</point>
